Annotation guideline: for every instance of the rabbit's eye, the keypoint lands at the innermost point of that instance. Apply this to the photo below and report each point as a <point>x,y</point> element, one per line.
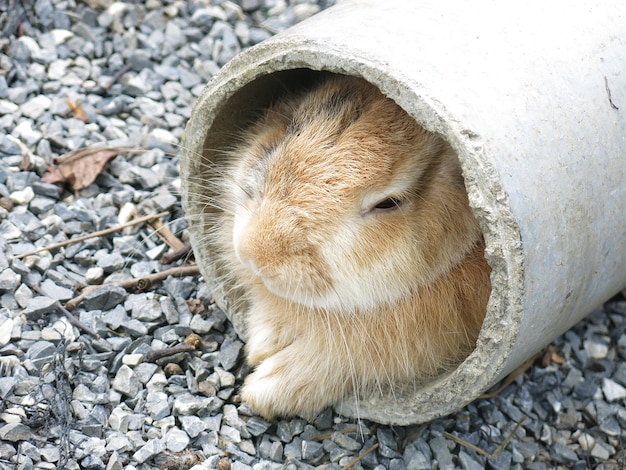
<point>388,204</point>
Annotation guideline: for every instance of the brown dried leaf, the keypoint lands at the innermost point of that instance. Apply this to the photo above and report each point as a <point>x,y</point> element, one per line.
<point>557,358</point>
<point>550,356</point>
<point>80,168</point>
<point>53,175</point>
<point>78,112</point>
<point>196,306</point>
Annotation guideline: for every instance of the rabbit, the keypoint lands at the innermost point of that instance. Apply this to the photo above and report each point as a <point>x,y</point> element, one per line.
<point>348,227</point>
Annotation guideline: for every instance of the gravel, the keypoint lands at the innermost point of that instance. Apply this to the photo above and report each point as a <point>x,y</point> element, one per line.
<point>77,74</point>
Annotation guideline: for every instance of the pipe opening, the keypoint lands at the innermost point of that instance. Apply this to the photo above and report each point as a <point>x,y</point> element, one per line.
<point>232,116</point>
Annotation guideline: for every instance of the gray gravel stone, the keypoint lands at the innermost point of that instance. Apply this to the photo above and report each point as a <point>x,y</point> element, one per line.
<point>192,425</point>
<point>345,441</point>
<point>152,448</point>
<point>602,451</point>
<point>257,425</point>
<point>7,385</point>
<point>441,452</point>
<point>145,308</point>
<point>612,390</point>
<point>54,291</point>
<point>563,454</point>
<point>104,298</point>
<point>312,451</point>
<point>14,432</point>
<point>469,463</point>
<point>272,450</point>
<point>161,139</point>
<point>417,456</point>
<point>145,371</point>
<point>388,446</point>
<point>116,317</point>
<point>40,306</point>
<point>229,352</point>
<point>126,383</point>
<point>157,405</point>
<point>112,262</point>
<point>35,107</point>
<point>293,450</point>
<point>187,404</point>
<point>135,328</point>
<point>9,280</point>
<point>176,440</point>
<point>502,461</point>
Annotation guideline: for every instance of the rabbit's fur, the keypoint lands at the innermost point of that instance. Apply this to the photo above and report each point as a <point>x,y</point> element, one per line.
<point>349,227</point>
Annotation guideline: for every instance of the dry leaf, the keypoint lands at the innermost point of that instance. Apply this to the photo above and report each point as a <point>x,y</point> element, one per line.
<point>557,358</point>
<point>53,175</point>
<point>551,356</point>
<point>196,306</point>
<point>80,168</point>
<point>78,112</point>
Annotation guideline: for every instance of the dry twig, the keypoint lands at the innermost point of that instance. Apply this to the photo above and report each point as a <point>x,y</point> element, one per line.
<point>477,449</point>
<point>360,457</point>
<point>71,318</point>
<point>140,284</point>
<point>100,233</point>
<point>165,234</point>
<point>117,76</point>
<point>170,257</point>
<point>156,354</point>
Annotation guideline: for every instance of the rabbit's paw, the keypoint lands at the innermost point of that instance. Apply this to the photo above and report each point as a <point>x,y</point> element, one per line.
<point>281,388</point>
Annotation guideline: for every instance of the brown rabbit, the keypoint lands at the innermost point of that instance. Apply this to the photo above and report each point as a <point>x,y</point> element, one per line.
<point>349,228</point>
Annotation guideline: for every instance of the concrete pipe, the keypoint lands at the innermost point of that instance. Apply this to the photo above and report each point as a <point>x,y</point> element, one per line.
<point>531,95</point>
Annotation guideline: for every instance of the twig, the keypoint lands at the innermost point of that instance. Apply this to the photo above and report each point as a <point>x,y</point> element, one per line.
<point>144,283</point>
<point>496,452</point>
<point>117,76</point>
<point>192,342</point>
<point>360,457</point>
<point>76,322</point>
<point>165,234</point>
<point>171,256</point>
<point>70,317</point>
<point>101,233</point>
<point>140,284</point>
<point>156,354</point>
